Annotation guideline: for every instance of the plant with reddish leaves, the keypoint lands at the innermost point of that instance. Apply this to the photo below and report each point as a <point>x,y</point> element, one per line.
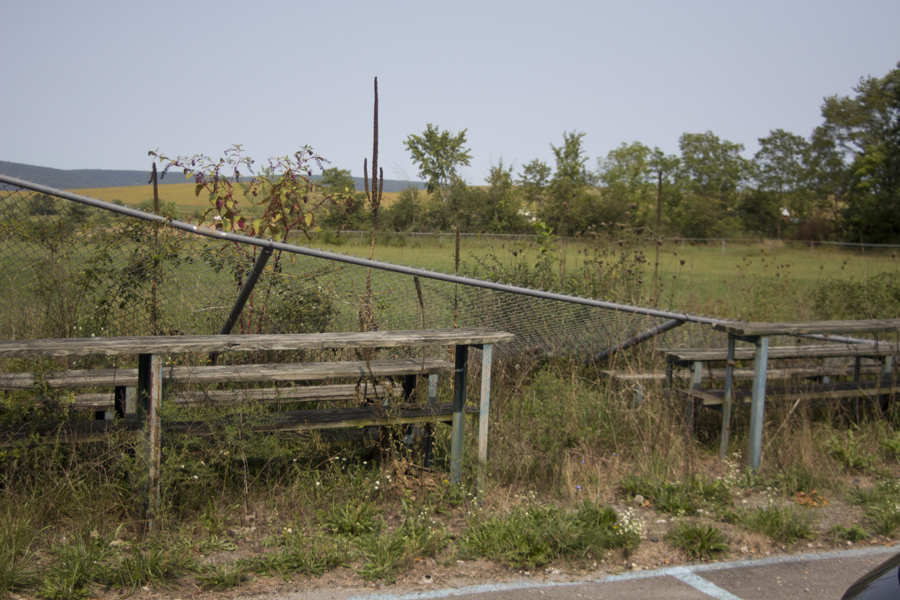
<point>277,200</point>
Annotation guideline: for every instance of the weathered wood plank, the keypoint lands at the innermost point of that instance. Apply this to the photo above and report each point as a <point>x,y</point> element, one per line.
<point>114,346</point>
<point>231,373</point>
<point>285,395</point>
<point>810,327</point>
<point>332,418</point>
<point>690,355</point>
<point>817,391</point>
<point>300,420</point>
<point>718,374</point>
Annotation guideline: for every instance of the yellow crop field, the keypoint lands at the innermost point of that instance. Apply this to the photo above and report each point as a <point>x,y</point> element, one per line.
<point>181,194</point>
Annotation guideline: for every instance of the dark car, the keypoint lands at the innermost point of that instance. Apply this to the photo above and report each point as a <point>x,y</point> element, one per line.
<point>881,583</point>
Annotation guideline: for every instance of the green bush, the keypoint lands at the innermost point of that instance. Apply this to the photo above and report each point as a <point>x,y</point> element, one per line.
<point>875,297</point>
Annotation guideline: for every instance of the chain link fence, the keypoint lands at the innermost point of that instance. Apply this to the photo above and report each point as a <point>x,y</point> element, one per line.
<point>73,266</point>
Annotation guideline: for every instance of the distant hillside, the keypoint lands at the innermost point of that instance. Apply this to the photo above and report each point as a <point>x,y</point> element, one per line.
<point>102,178</point>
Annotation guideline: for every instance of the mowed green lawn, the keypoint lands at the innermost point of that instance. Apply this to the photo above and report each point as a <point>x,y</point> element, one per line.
<point>771,280</point>
<point>767,279</point>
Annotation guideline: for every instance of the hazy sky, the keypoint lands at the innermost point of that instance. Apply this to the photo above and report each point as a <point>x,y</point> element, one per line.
<point>96,84</point>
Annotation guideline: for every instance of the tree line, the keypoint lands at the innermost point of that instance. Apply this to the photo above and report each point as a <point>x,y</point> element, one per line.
<point>840,182</point>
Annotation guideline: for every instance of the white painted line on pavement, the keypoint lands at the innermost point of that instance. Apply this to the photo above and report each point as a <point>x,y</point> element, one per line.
<point>702,585</point>
<point>670,571</point>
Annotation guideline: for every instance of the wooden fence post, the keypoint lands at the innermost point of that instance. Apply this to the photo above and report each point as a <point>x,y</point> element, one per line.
<point>149,391</point>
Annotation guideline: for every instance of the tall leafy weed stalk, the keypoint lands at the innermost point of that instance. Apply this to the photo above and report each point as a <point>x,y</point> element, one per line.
<point>273,202</point>
<point>373,195</point>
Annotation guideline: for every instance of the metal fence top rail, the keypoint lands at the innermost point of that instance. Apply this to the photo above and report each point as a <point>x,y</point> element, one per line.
<point>363,262</point>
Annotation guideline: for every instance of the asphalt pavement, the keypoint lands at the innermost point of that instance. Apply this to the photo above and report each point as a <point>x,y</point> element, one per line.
<point>823,576</point>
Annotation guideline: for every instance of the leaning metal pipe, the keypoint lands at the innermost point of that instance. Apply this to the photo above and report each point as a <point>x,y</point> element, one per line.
<point>246,290</point>
<point>243,296</point>
<point>374,264</point>
<point>650,333</point>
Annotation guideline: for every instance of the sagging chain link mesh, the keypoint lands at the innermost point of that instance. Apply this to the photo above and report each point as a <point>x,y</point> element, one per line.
<point>71,270</point>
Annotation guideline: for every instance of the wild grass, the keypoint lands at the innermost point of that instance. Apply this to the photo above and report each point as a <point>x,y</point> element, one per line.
<point>532,536</point>
<point>880,504</point>
<point>782,523</point>
<point>569,454</point>
<point>701,541</point>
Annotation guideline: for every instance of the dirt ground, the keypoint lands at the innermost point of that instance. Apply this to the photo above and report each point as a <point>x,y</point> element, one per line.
<point>448,572</point>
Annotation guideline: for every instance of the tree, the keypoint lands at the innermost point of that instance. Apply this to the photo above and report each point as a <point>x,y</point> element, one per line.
<point>437,155</point>
<point>401,214</point>
<point>570,162</point>
<point>712,172</point>
<point>533,181</point>
<point>780,170</point>
<point>503,201</point>
<point>346,207</point>
<point>864,133</point>
<point>571,204</point>
<point>626,176</point>
<point>712,167</point>
<point>665,169</point>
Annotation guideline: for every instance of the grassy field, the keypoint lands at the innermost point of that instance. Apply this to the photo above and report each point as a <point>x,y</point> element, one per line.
<point>696,278</point>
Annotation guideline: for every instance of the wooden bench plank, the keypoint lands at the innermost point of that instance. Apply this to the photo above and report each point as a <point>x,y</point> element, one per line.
<point>222,343</point>
<point>283,395</point>
<point>300,420</point>
<point>740,374</point>
<point>816,391</point>
<point>690,355</point>
<point>232,373</point>
<point>810,327</point>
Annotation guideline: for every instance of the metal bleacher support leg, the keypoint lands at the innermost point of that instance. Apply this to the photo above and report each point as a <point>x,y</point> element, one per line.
<point>125,402</point>
<point>409,388</point>
<point>149,393</point>
<point>758,401</point>
<point>428,459</point>
<point>638,395</point>
<point>726,400</point>
<point>857,367</point>
<point>690,406</point>
<point>459,405</point>
<point>484,412</point>
<point>885,376</point>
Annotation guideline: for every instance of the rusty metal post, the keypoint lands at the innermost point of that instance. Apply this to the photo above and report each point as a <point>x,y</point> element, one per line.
<point>457,435</point>
<point>149,391</point>
<point>154,281</point>
<point>244,295</point>
<point>650,333</point>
